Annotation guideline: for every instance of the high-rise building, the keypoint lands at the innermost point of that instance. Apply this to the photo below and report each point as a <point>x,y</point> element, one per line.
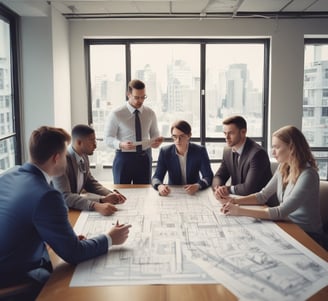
<point>315,104</point>
<point>7,155</point>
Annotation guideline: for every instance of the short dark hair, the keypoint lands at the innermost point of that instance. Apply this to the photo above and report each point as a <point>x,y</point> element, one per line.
<point>239,121</point>
<point>82,131</point>
<point>136,84</point>
<point>183,126</point>
<point>47,141</point>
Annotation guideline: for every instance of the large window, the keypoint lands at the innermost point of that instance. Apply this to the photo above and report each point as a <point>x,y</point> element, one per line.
<point>201,81</point>
<point>315,101</point>
<point>10,154</point>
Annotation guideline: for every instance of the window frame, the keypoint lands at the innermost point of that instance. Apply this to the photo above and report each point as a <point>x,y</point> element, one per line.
<point>317,41</point>
<point>14,23</point>
<point>202,43</point>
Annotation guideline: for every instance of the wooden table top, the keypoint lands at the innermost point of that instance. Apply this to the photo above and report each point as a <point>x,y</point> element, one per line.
<point>57,288</point>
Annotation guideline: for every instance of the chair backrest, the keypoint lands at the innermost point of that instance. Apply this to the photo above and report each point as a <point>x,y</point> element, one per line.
<point>323,196</point>
<point>16,292</point>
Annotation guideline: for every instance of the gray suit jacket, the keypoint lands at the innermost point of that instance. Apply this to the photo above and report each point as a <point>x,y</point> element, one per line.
<point>254,170</point>
<point>67,184</point>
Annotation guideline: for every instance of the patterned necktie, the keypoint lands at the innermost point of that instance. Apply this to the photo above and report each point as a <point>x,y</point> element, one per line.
<point>138,130</point>
<point>82,166</point>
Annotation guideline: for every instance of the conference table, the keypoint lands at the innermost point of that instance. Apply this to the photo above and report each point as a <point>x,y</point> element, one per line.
<point>57,287</point>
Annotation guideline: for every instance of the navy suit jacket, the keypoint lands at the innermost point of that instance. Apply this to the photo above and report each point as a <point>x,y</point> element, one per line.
<point>254,170</point>
<point>197,162</point>
<point>33,213</point>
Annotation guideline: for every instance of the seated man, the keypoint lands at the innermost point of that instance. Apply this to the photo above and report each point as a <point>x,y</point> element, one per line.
<point>34,215</point>
<point>78,178</point>
<point>186,163</point>
<point>244,161</point>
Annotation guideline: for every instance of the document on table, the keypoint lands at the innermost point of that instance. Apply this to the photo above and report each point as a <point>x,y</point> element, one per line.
<point>183,239</point>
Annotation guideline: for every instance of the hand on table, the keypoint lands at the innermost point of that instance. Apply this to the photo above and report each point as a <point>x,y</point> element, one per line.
<point>119,233</point>
<point>191,188</point>
<point>163,190</point>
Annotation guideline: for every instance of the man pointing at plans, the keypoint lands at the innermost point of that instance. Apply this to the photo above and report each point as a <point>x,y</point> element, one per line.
<point>33,215</point>
<point>132,130</point>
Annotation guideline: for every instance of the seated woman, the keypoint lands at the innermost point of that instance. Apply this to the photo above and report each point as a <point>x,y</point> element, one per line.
<point>184,161</point>
<point>296,183</point>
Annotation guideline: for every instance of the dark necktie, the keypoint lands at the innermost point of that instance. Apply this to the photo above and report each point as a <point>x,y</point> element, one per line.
<point>82,167</point>
<point>138,130</point>
<point>235,157</point>
<point>235,160</point>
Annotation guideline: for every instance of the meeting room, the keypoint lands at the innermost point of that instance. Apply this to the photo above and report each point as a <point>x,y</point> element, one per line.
<point>163,150</point>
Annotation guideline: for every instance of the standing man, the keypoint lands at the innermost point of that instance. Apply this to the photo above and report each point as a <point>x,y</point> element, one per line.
<point>132,130</point>
<point>33,214</point>
<point>78,177</point>
<point>244,161</point>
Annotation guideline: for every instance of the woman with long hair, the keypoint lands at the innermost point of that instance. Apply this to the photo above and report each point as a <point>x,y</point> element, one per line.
<point>296,183</point>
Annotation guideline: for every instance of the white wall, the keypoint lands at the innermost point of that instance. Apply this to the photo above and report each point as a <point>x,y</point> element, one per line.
<point>287,37</point>
<point>37,76</point>
<point>48,80</point>
<point>45,74</point>
<point>62,85</point>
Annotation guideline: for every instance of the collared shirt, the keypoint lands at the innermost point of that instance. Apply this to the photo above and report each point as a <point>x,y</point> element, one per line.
<point>239,151</point>
<point>183,165</point>
<point>120,126</point>
<point>80,174</point>
<point>48,178</point>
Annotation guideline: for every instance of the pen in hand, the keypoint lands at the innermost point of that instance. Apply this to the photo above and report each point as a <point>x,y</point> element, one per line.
<point>119,233</point>
<point>117,224</point>
<point>116,191</point>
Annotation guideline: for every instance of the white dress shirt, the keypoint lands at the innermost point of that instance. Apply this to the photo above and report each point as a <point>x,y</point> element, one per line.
<point>120,126</point>
<point>183,166</point>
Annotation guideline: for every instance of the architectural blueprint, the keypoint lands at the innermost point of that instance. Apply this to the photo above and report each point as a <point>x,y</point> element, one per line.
<point>183,239</point>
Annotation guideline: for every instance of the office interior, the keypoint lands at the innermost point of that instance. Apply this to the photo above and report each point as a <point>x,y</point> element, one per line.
<point>53,81</point>
<point>54,87</point>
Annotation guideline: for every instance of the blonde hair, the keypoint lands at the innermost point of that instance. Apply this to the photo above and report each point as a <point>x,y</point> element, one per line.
<point>300,153</point>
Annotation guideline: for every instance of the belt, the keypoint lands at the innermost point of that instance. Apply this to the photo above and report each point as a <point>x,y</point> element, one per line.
<point>133,153</point>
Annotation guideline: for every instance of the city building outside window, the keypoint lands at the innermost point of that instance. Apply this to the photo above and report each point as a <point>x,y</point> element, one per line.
<point>315,102</point>
<point>202,82</point>
<point>10,153</point>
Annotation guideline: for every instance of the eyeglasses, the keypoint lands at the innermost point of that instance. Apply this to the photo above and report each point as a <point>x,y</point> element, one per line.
<point>139,97</point>
<point>179,137</point>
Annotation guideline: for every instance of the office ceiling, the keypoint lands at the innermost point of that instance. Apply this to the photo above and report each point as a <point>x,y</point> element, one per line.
<point>173,9</point>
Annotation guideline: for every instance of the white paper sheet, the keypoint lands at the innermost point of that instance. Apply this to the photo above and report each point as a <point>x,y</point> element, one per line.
<point>183,239</point>
<point>144,143</point>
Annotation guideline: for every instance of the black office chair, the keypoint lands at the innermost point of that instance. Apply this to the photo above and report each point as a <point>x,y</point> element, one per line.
<point>18,292</point>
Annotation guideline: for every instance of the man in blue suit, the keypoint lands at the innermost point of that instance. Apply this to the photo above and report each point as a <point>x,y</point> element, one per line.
<point>184,161</point>
<point>32,213</point>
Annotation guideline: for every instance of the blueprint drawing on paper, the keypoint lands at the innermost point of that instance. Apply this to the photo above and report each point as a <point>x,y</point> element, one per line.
<point>182,239</point>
